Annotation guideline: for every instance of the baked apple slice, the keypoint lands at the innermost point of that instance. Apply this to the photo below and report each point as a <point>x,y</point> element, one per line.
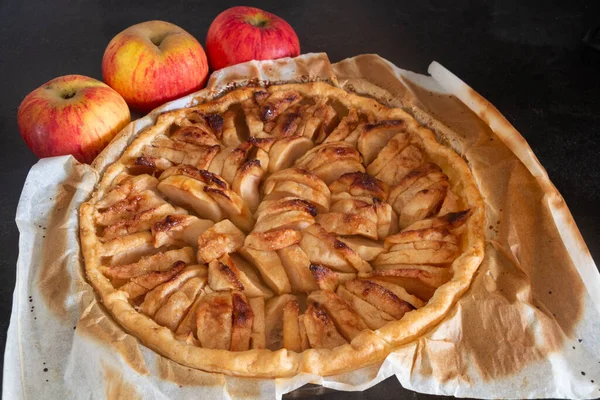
<point>399,166</point>
<point>158,296</point>
<point>221,238</point>
<point>126,187</point>
<point>326,279</point>
<point>223,276</point>
<point>179,229</point>
<point>246,183</point>
<point>242,322</point>
<point>347,321</point>
<point>274,328</point>
<point>320,329</point>
<point>214,320</point>
<point>385,156</point>
<point>419,280</point>
<point>257,337</point>
<point>297,267</point>
<point>380,297</point>
<point>291,328</point>
<point>142,284</point>
<point>367,249</point>
<point>360,184</point>
<point>156,262</point>
<point>272,240</point>
<point>374,318</point>
<point>188,192</point>
<point>270,268</point>
<point>173,310</point>
<point>375,137</point>
<point>253,285</point>
<point>286,151</point>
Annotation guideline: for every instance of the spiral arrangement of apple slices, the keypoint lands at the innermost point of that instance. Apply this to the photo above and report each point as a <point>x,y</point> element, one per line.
<point>274,219</point>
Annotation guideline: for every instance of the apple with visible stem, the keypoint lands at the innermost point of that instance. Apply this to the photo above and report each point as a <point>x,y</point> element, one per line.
<point>241,34</point>
<point>72,114</point>
<point>154,62</point>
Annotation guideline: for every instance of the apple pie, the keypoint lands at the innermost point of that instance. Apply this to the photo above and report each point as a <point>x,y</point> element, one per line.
<point>274,231</point>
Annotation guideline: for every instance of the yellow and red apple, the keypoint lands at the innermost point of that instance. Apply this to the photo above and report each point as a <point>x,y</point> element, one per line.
<point>154,62</point>
<point>72,114</point>
<point>241,34</point>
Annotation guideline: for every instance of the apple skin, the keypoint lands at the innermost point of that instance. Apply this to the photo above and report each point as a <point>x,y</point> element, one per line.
<point>71,114</point>
<point>148,74</point>
<point>241,34</point>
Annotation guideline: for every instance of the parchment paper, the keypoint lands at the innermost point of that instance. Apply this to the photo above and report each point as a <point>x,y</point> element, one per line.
<point>526,328</point>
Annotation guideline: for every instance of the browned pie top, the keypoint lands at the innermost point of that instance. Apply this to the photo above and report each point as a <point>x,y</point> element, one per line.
<point>237,235</point>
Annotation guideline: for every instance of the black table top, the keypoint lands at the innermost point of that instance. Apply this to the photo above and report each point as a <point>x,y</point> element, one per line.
<point>526,57</point>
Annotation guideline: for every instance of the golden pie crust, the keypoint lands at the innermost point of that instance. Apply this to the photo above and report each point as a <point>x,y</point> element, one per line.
<point>273,231</point>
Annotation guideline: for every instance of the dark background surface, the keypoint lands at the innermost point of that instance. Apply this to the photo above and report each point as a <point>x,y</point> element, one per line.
<point>526,57</point>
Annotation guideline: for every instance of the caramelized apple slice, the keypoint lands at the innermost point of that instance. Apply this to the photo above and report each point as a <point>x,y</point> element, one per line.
<point>384,157</point>
<point>367,249</point>
<point>427,234</point>
<point>297,175</point>
<point>423,252</point>
<point>326,279</point>
<point>330,172</point>
<point>160,294</point>
<point>185,191</point>
<point>401,293</point>
<point>156,262</point>
<point>134,204</point>
<point>233,206</point>
<point>214,320</point>
<point>295,220</point>
<point>272,240</point>
<point>407,160</point>
<point>242,321</point>
<point>379,296</point>
<point>348,224</point>
<point>324,248</point>
<point>344,128</point>
<point>139,222</point>
<point>274,320</point>
<point>193,134</point>
<point>246,183</point>
<point>142,284</point>
<point>272,207</point>
<point>186,331</point>
<point>127,186</point>
<point>373,317</point>
<point>174,309</point>
<point>257,337</point>
<point>296,265</point>
<point>291,329</point>
<point>415,181</point>
<point>285,152</point>
<point>222,238</point>
<point>347,321</point>
<point>223,277</point>
<point>419,280</point>
<point>320,329</point>
<point>177,228</point>
<point>216,164</point>
<point>206,177</point>
<point>375,137</point>
<point>423,204</point>
<point>253,286</point>
<point>270,268</point>
<point>360,184</point>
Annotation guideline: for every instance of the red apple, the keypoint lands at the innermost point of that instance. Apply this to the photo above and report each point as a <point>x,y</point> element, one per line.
<point>241,34</point>
<point>154,62</point>
<point>72,114</point>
